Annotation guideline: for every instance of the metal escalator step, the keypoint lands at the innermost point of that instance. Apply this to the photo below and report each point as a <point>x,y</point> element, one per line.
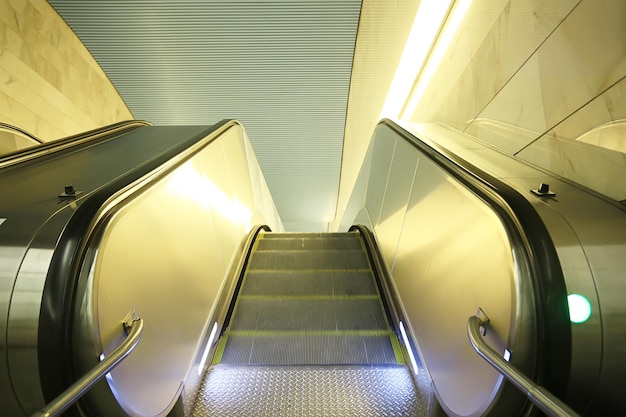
<point>343,241</point>
<point>310,391</point>
<point>293,283</point>
<point>293,314</point>
<point>323,235</point>
<point>308,260</point>
<point>309,349</point>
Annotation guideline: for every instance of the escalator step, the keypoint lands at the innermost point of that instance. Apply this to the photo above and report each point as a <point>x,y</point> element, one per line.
<point>302,314</point>
<point>310,391</point>
<point>296,235</point>
<point>309,260</point>
<point>309,349</point>
<point>347,241</point>
<point>295,283</point>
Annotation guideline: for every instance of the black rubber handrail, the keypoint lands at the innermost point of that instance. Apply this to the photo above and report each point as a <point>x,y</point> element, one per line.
<point>238,273</point>
<point>46,148</point>
<point>381,273</point>
<point>548,283</point>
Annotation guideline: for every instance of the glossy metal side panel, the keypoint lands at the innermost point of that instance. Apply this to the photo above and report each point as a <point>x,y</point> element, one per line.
<point>164,252</point>
<point>449,254</point>
<point>392,215</point>
<point>355,211</point>
<point>592,249</point>
<point>453,257</point>
<point>35,217</point>
<point>589,234</point>
<point>10,258</point>
<point>586,337</point>
<point>23,328</point>
<point>23,318</point>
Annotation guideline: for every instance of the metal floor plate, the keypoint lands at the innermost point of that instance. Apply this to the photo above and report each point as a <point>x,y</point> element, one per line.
<point>310,391</point>
<point>309,350</point>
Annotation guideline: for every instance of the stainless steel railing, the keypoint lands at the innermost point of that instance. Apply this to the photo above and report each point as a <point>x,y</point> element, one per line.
<point>541,397</point>
<point>133,326</point>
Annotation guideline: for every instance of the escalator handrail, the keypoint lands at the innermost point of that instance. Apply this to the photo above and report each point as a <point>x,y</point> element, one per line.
<point>546,275</point>
<point>540,396</point>
<point>238,273</point>
<point>10,128</point>
<point>380,271</point>
<point>60,287</point>
<point>47,148</point>
<point>133,327</point>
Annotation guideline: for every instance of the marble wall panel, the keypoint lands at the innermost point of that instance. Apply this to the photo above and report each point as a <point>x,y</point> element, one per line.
<point>520,103</point>
<point>593,122</point>
<point>583,58</point>
<point>510,40</point>
<point>597,168</point>
<point>55,86</point>
<point>384,26</point>
<point>455,64</point>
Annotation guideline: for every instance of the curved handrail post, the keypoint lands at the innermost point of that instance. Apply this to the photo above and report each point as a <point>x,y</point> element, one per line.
<point>133,326</point>
<point>541,397</point>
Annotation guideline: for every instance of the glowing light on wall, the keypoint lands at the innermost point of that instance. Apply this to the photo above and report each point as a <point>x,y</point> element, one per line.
<point>507,355</point>
<point>579,308</point>
<point>428,20</point>
<point>449,31</point>
<point>205,354</point>
<point>408,347</point>
<point>188,183</point>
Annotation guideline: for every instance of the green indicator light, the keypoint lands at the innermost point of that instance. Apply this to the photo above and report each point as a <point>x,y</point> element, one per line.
<point>579,308</point>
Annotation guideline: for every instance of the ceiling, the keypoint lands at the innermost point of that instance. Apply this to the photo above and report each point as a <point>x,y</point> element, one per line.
<point>280,67</point>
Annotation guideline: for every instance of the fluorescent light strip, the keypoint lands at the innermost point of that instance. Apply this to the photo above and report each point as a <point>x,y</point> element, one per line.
<point>207,348</point>
<point>427,23</point>
<point>408,348</point>
<point>433,62</point>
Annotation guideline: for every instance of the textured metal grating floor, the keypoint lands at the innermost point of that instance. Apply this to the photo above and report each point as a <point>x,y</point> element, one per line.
<point>309,350</point>
<point>309,337</point>
<point>309,391</point>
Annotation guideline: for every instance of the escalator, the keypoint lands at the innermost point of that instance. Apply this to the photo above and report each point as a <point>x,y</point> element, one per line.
<point>310,335</point>
<point>308,324</point>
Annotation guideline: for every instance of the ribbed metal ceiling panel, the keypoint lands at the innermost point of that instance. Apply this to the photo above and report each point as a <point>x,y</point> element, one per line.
<point>280,67</point>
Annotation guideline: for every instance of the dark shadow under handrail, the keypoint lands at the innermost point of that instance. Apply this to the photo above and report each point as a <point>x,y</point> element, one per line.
<point>540,396</point>
<point>133,326</point>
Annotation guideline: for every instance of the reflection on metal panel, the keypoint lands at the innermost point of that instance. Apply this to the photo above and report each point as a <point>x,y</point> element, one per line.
<point>589,234</point>
<point>164,251</point>
<point>455,253</point>
<point>449,254</point>
<point>452,255</point>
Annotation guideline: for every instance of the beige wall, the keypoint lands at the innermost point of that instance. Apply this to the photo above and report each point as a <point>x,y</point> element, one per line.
<point>50,85</point>
<point>543,80</point>
<point>383,29</point>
